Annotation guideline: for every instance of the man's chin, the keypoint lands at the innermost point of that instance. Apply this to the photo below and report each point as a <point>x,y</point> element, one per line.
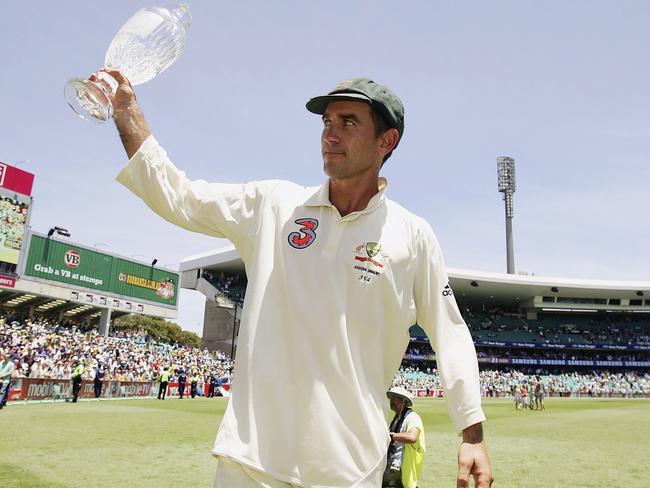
<point>330,168</point>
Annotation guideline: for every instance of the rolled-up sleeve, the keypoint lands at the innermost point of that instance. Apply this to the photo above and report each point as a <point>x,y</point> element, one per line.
<point>439,317</point>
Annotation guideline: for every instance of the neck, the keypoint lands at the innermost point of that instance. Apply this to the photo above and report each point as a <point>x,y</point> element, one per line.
<point>349,195</point>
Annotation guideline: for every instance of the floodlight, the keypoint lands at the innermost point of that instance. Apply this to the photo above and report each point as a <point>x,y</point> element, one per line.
<point>507,185</point>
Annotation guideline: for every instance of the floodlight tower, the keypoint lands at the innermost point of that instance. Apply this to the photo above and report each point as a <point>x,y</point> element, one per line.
<point>507,186</point>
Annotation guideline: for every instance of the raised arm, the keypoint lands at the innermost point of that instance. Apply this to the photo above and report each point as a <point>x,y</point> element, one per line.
<point>128,117</point>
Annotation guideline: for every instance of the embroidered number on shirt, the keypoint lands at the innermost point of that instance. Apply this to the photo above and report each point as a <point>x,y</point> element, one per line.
<point>305,235</point>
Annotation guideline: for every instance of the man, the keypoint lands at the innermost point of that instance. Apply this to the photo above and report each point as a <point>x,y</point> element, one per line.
<point>194,381</point>
<point>77,377</point>
<point>6,369</point>
<point>336,276</point>
<point>531,396</point>
<point>406,449</point>
<point>213,384</point>
<point>182,379</point>
<point>164,381</point>
<point>539,394</point>
<point>519,402</point>
<point>98,380</point>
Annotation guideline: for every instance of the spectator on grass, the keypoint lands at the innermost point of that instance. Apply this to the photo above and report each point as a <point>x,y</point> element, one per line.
<point>531,397</point>
<point>6,369</point>
<point>77,376</point>
<point>164,381</point>
<point>539,394</point>
<point>182,379</point>
<point>518,398</point>
<point>98,380</point>
<point>194,382</point>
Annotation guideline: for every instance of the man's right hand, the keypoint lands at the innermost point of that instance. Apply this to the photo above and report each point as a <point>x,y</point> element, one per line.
<point>128,117</point>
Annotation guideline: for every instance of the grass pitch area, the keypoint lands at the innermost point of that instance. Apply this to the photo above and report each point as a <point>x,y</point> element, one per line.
<point>150,443</point>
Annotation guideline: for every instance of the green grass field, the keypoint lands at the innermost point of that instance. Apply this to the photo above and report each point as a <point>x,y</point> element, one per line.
<point>150,443</point>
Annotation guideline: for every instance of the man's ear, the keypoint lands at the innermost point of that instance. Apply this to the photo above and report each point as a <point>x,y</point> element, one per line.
<point>389,140</point>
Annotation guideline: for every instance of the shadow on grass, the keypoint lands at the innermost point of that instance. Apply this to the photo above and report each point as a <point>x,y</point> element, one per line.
<point>12,476</point>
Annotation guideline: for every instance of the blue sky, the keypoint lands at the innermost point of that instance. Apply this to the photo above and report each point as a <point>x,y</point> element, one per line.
<point>563,87</point>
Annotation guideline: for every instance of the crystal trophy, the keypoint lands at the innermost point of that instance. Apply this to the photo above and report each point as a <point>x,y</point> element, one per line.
<point>146,45</point>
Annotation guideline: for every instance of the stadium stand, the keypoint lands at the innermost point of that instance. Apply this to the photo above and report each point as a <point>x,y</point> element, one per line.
<point>232,286</point>
<point>589,353</point>
<point>44,349</point>
<point>496,383</point>
<point>579,336</point>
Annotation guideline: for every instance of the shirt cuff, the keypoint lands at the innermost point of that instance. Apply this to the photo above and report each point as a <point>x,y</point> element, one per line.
<point>469,419</point>
<point>146,149</point>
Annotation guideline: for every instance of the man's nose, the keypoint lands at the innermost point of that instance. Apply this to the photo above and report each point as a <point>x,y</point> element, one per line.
<point>330,135</point>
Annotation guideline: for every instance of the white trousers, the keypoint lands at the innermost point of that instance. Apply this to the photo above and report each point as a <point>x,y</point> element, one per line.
<point>234,475</point>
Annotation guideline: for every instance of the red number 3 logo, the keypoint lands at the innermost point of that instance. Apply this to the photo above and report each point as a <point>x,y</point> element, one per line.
<point>305,235</point>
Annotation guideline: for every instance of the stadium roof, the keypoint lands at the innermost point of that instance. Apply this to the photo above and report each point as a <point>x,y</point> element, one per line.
<point>488,288</point>
<point>72,303</point>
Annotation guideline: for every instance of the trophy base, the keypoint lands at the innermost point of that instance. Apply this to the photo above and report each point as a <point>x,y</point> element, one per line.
<point>89,100</point>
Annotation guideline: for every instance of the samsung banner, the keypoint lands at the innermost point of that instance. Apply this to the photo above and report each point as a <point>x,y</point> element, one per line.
<point>564,362</point>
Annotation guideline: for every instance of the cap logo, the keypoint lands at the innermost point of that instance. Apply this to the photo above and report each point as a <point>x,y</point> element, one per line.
<point>343,85</point>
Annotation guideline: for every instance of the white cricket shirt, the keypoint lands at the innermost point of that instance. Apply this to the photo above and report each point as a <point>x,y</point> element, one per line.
<point>329,304</point>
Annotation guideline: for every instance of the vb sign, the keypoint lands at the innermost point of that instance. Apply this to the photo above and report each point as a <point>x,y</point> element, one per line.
<point>72,258</point>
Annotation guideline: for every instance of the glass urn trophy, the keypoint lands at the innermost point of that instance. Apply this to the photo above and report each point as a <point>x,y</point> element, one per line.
<point>146,45</point>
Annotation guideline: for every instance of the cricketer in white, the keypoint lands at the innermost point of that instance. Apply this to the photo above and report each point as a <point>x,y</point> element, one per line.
<point>336,276</point>
<point>321,335</point>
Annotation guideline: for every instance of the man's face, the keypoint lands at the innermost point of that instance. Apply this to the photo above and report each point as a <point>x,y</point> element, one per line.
<point>396,403</point>
<point>348,142</point>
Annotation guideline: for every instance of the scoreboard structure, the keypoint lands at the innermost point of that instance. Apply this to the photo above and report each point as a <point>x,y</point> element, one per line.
<point>15,211</point>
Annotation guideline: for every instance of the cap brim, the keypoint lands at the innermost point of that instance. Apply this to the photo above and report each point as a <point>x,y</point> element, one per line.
<point>398,395</point>
<point>317,105</point>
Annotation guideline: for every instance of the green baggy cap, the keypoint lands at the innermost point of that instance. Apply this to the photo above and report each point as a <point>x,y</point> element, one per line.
<point>364,90</point>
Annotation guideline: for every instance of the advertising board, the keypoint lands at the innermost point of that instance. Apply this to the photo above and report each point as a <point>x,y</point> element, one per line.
<point>66,262</point>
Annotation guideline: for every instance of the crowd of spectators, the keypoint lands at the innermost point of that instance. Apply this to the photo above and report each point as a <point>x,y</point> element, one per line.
<point>593,329</point>
<point>496,383</point>
<point>232,286</point>
<point>42,349</point>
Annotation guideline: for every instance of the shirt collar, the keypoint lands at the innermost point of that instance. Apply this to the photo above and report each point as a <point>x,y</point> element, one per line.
<point>321,197</point>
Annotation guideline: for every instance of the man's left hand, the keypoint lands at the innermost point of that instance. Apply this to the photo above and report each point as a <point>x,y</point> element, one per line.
<point>473,459</point>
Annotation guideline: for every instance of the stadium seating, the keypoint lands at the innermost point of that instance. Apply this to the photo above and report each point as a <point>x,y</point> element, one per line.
<point>46,350</point>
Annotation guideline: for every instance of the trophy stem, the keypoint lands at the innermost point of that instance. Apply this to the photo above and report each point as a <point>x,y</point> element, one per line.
<point>90,99</point>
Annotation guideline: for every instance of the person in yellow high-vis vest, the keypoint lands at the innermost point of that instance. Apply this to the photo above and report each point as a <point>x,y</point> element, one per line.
<point>406,449</point>
<point>164,381</point>
<point>77,378</point>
